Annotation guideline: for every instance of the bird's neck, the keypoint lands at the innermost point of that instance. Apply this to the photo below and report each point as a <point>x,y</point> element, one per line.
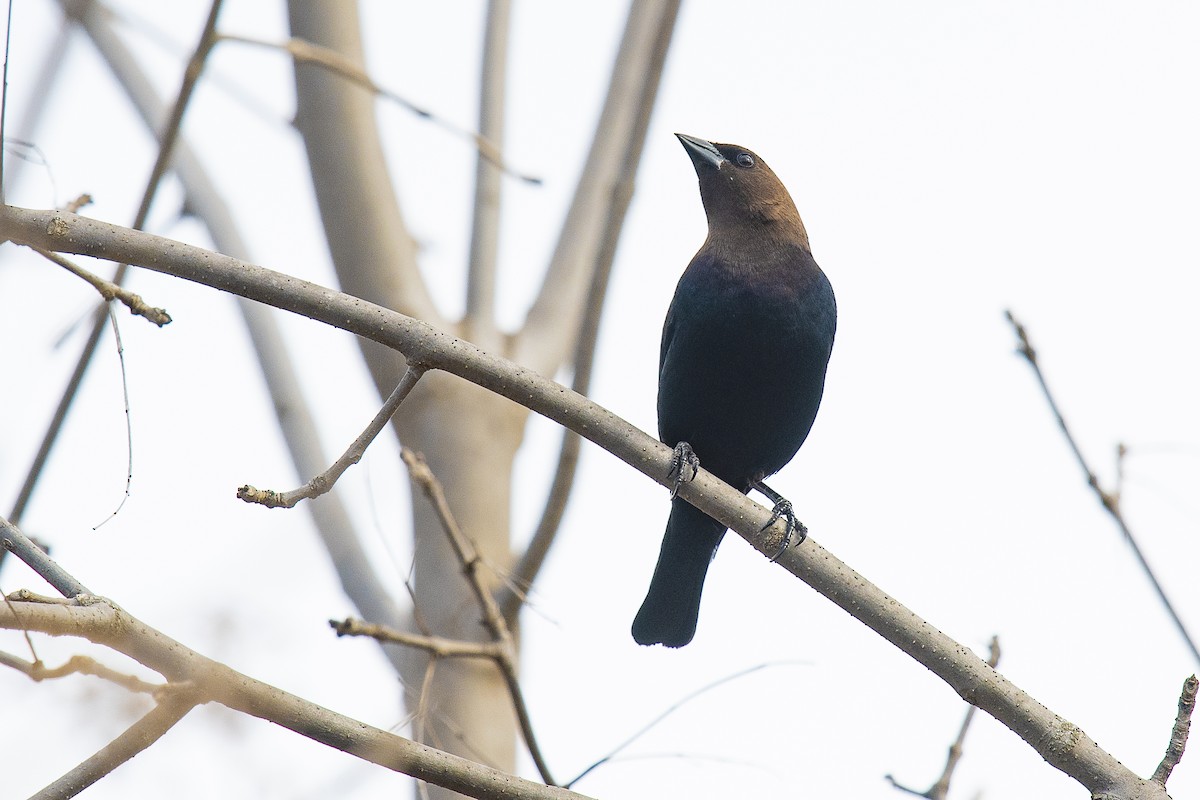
<point>755,233</point>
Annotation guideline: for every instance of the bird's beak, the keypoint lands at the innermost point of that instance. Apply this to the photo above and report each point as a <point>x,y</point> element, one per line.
<point>702,151</point>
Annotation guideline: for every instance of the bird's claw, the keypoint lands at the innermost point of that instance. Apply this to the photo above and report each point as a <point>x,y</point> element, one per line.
<point>683,459</point>
<point>783,510</point>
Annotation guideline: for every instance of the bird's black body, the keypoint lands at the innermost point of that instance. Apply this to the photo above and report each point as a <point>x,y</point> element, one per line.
<point>742,365</point>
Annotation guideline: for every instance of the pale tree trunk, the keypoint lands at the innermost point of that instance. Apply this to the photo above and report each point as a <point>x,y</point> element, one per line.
<point>468,436</point>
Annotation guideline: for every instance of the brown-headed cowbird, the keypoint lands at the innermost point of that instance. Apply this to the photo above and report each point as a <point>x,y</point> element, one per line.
<point>741,368</point>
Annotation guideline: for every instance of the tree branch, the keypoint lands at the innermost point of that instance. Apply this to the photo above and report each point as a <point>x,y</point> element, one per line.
<point>941,787</point>
<point>553,322</point>
<point>373,252</point>
<point>1179,732</point>
<point>480,321</point>
<point>1110,500</point>
<point>438,646</point>
<point>357,575</point>
<point>111,291</point>
<point>1059,742</point>
<point>306,52</point>
<point>143,733</point>
<point>320,484</point>
<point>468,556</point>
<point>102,622</point>
<point>167,137</point>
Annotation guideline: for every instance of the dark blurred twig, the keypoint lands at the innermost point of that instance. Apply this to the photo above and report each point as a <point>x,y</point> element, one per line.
<point>1110,500</point>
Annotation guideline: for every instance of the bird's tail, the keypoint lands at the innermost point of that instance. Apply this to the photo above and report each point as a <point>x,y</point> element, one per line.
<point>669,612</point>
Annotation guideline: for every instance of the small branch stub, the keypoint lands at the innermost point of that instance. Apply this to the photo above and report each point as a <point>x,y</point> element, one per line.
<point>1179,732</point>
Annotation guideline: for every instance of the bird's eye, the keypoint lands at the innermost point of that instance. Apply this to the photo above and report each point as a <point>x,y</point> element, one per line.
<point>745,160</point>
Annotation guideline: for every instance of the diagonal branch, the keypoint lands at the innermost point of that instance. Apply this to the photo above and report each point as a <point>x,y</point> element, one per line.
<point>468,556</point>
<point>357,575</point>
<point>322,483</point>
<point>373,252</point>
<point>480,319</point>
<point>941,786</point>
<point>167,138</point>
<point>1060,743</point>
<point>308,53</point>
<point>1109,500</point>
<point>139,736</point>
<point>1179,732</point>
<point>101,621</point>
<point>437,646</point>
<point>111,291</point>
<point>538,549</point>
<point>597,213</point>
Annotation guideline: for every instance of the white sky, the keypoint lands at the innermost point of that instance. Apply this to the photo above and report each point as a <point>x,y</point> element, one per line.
<point>950,160</point>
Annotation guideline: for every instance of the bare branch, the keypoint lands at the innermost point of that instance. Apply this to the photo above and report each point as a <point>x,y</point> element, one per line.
<point>668,711</point>
<point>597,210</point>
<point>1179,732</point>
<point>85,665</point>
<point>322,483</point>
<point>143,733</point>
<point>111,291</point>
<point>437,646</point>
<point>306,52</point>
<point>357,574</point>
<point>480,321</point>
<point>167,139</point>
<point>468,556</point>
<point>941,787</point>
<point>1060,743</point>
<point>373,252</point>
<point>101,621</point>
<point>581,378</point>
<point>1110,500</point>
<point>17,543</point>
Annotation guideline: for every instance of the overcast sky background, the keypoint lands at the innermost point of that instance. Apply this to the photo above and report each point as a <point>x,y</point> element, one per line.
<point>950,160</point>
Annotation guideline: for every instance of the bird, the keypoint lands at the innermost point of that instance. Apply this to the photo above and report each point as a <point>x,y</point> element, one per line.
<point>745,348</point>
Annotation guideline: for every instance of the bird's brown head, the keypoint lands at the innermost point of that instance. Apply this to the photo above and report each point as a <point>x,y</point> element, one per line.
<point>742,195</point>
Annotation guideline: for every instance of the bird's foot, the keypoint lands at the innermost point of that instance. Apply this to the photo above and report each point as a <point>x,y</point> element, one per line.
<point>792,526</point>
<point>683,460</point>
<point>782,510</point>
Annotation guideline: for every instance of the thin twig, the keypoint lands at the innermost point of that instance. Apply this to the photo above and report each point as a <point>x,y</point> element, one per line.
<point>4,95</point>
<point>1179,732</point>
<point>322,483</point>
<point>143,733</point>
<point>80,665</point>
<point>309,53</point>
<point>668,711</point>
<point>109,290</point>
<point>437,646</point>
<point>167,139</point>
<point>941,788</point>
<point>468,556</point>
<point>1110,500</point>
